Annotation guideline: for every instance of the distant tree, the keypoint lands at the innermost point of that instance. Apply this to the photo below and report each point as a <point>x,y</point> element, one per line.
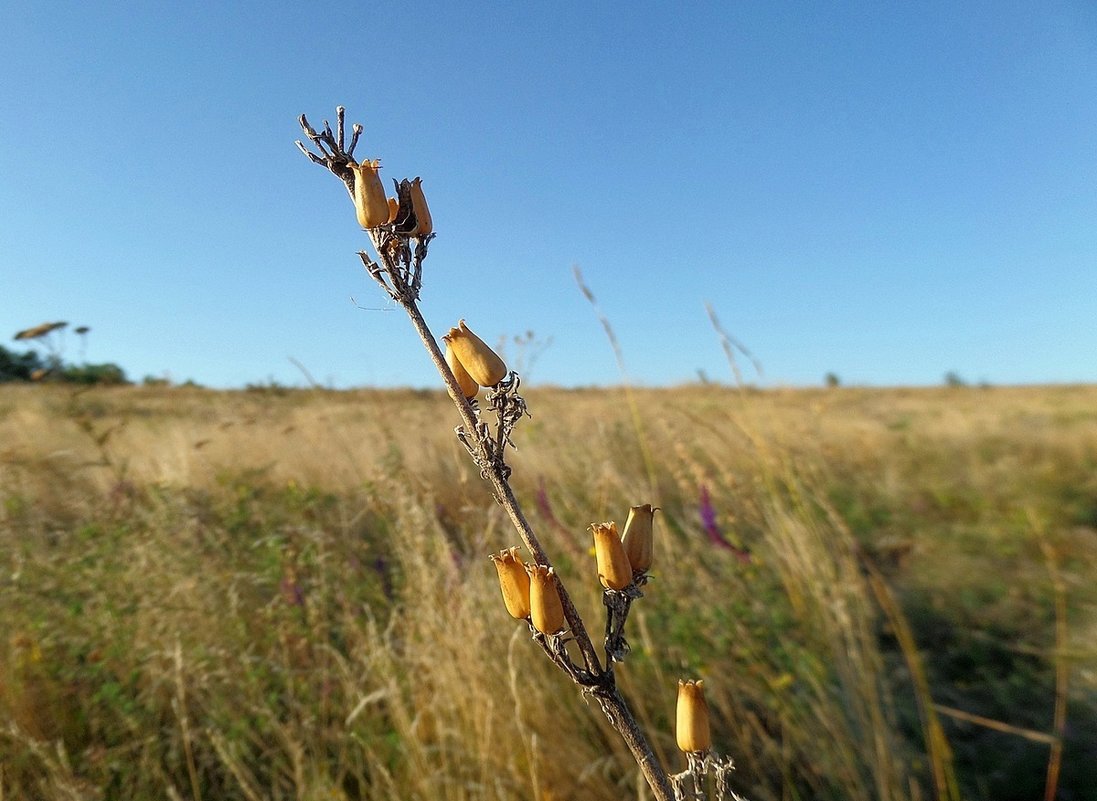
<point>954,379</point>
<point>832,380</point>
<point>30,366</point>
<point>18,366</point>
<point>93,374</point>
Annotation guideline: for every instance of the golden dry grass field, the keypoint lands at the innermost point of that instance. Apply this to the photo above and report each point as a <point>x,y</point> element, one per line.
<point>891,594</point>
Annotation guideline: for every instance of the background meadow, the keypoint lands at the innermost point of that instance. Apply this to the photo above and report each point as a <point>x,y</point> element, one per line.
<point>278,594</point>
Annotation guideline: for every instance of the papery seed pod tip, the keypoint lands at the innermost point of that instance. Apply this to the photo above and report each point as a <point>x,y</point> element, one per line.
<point>692,730</point>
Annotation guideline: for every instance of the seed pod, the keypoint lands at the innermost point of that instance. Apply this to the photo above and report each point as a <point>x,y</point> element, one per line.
<point>692,729</point>
<point>613,567</point>
<point>369,195</point>
<point>394,209</point>
<point>513,581</point>
<point>638,537</point>
<point>469,388</point>
<point>480,362</point>
<point>546,610</point>
<point>423,223</point>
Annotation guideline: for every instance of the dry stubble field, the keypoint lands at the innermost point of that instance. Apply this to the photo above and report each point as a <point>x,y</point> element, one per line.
<point>285,594</point>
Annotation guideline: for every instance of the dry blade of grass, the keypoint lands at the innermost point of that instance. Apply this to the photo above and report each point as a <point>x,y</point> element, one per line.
<point>1062,668</point>
<point>630,398</point>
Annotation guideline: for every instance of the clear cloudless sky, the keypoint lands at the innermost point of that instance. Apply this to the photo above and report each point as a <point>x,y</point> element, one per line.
<point>888,191</point>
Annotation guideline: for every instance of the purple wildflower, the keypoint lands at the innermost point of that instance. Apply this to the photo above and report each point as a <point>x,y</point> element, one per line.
<point>712,528</point>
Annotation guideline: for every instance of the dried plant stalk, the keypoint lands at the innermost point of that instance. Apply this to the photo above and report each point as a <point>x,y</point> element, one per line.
<point>401,246</point>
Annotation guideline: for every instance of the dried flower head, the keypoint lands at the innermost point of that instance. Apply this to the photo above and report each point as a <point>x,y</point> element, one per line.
<point>638,537</point>
<point>613,566</point>
<point>692,730</point>
<point>370,202</point>
<point>513,581</point>
<point>544,600</point>
<point>480,362</point>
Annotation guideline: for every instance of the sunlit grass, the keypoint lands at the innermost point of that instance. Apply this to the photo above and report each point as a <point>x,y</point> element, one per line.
<point>286,594</point>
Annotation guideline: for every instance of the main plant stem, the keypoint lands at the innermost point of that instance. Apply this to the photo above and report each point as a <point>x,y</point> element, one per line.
<point>609,697</point>
<point>399,273</point>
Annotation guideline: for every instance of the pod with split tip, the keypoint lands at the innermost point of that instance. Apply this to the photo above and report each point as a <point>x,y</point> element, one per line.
<point>469,387</point>
<point>423,224</point>
<point>613,566</point>
<point>638,537</point>
<point>370,203</point>
<point>546,609</point>
<point>480,362</point>
<point>692,729</point>
<point>513,582</point>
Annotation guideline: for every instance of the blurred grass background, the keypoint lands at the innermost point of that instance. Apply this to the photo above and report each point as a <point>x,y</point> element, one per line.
<point>285,594</point>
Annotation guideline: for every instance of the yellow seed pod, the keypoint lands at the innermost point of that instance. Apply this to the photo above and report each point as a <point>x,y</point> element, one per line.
<point>480,362</point>
<point>394,209</point>
<point>544,600</point>
<point>468,387</point>
<point>513,581</point>
<point>613,567</point>
<point>423,223</point>
<point>692,730</point>
<point>369,194</point>
<point>638,537</point>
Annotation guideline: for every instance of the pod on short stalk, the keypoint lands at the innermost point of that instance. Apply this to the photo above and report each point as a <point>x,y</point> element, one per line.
<point>513,582</point>
<point>692,727</point>
<point>546,609</point>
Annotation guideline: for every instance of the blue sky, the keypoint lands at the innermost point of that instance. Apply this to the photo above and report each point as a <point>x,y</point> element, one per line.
<point>885,191</point>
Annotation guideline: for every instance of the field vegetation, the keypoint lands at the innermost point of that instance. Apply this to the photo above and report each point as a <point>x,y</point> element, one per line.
<point>276,594</point>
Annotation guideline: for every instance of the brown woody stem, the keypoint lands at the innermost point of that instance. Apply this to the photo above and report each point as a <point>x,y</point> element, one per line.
<point>398,271</point>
